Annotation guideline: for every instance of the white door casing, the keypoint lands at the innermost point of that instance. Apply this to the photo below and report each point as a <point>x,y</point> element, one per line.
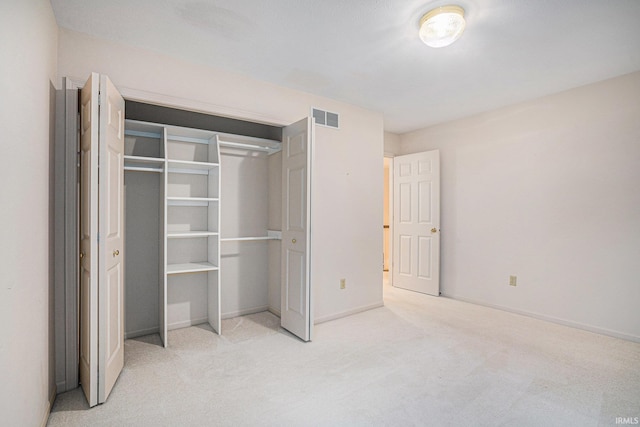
<point>101,238</point>
<point>416,222</point>
<point>297,149</point>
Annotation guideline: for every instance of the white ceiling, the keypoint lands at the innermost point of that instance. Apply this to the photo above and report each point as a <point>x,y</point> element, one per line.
<point>367,52</point>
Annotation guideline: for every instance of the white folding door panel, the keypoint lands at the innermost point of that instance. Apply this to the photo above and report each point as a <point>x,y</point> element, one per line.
<point>416,222</point>
<point>111,245</point>
<point>102,230</point>
<point>89,239</point>
<point>297,148</point>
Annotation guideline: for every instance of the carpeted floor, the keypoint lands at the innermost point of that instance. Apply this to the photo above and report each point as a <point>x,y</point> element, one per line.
<point>419,360</point>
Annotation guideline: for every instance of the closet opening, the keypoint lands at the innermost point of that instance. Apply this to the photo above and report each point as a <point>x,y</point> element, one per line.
<point>203,226</point>
<point>213,251</point>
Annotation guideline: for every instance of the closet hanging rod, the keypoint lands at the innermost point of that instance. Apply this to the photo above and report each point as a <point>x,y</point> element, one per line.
<point>142,169</point>
<point>271,235</point>
<point>253,147</point>
<point>240,239</point>
<point>143,159</point>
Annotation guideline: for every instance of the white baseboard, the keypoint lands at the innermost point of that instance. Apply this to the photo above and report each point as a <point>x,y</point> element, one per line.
<point>275,311</point>
<point>244,312</point>
<point>346,313</point>
<point>552,319</point>
<point>47,411</point>
<point>193,322</point>
<point>187,323</point>
<point>141,332</point>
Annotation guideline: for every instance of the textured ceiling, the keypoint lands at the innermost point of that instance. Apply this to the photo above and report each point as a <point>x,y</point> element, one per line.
<point>367,52</point>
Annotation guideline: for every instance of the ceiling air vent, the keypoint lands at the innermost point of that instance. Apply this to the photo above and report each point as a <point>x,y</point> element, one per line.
<point>326,118</point>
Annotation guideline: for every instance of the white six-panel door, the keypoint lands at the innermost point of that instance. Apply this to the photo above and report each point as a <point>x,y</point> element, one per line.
<point>416,222</point>
<point>111,242</point>
<point>297,147</point>
<point>101,241</point>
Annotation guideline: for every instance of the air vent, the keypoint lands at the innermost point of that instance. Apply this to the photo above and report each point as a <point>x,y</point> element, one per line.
<point>326,118</point>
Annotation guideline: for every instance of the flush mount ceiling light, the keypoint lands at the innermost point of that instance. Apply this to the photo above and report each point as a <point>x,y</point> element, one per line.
<point>442,26</point>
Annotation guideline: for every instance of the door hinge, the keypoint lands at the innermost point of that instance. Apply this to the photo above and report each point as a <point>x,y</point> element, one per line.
<point>78,171</point>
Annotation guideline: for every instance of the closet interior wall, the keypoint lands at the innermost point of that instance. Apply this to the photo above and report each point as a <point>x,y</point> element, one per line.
<point>143,238</point>
<point>250,269</point>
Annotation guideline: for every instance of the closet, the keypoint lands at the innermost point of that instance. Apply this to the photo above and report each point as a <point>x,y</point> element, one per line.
<point>181,226</point>
<point>200,210</point>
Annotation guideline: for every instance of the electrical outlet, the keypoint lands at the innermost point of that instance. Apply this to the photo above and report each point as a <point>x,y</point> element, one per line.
<point>513,280</point>
<point>343,283</point>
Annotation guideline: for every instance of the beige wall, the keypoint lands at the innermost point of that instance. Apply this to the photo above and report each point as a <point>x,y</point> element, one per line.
<point>391,143</point>
<point>347,196</point>
<point>28,53</point>
<point>546,190</point>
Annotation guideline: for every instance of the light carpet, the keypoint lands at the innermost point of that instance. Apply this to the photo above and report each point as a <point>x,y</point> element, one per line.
<point>419,360</point>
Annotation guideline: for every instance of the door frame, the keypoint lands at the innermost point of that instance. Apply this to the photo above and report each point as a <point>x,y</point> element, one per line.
<point>67,319</point>
<point>390,156</point>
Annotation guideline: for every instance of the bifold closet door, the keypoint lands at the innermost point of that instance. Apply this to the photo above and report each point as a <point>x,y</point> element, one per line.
<point>297,149</point>
<point>102,231</point>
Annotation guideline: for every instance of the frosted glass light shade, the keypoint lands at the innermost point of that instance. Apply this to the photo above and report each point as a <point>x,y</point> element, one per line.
<point>442,26</point>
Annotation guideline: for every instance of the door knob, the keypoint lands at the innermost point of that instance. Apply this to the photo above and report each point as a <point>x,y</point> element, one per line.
<point>434,230</point>
<point>81,255</point>
<point>116,253</point>
<point>293,241</point>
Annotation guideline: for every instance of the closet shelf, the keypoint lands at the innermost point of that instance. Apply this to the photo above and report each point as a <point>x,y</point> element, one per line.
<point>191,201</point>
<point>190,267</point>
<point>188,234</point>
<point>186,166</point>
<point>153,135</point>
<point>143,164</point>
<point>179,138</point>
<point>233,140</point>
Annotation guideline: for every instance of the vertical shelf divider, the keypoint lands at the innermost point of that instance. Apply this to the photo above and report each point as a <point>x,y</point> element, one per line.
<point>162,308</point>
<point>213,188</point>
